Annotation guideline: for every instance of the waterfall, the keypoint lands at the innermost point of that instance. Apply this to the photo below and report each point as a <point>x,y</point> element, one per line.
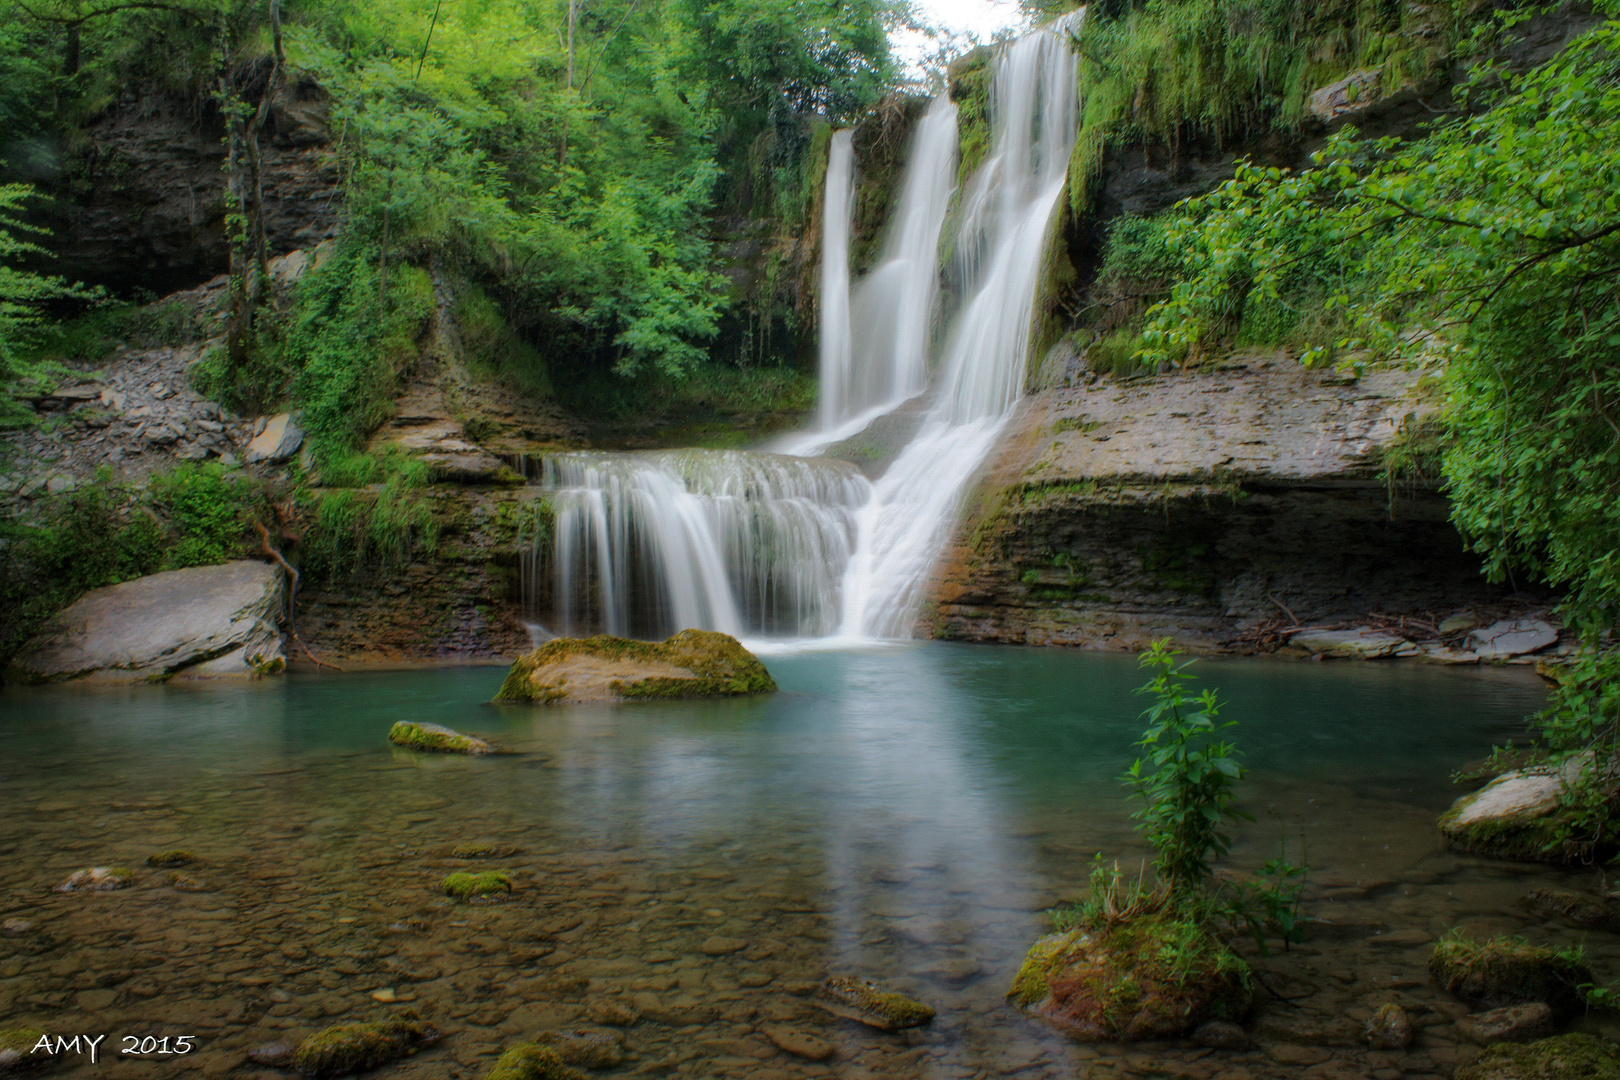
<point>1000,247</point>
<point>646,544</point>
<point>792,545</point>
<point>836,354</point>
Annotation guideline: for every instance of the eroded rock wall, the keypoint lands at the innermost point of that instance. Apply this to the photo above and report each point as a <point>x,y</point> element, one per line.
<point>1215,507</point>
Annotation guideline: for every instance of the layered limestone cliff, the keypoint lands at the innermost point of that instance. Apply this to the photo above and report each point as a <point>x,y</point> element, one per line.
<point>1225,508</point>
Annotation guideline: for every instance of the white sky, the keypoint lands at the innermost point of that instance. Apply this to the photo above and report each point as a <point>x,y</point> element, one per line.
<point>980,18</point>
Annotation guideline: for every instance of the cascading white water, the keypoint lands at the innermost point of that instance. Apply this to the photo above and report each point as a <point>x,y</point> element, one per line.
<point>789,546</point>
<point>1000,247</point>
<point>836,347</point>
<point>648,544</point>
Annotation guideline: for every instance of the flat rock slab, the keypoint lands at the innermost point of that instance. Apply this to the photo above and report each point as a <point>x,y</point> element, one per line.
<point>161,624</point>
<point>1512,637</point>
<point>1363,644</point>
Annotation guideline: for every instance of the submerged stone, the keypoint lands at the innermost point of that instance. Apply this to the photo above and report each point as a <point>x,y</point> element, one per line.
<point>1581,909</point>
<point>1563,1057</point>
<point>1512,1023</point>
<point>482,849</point>
<point>351,1048</point>
<point>613,1012</point>
<point>693,663</point>
<point>871,1004</point>
<point>98,879</point>
<point>1150,977</point>
<point>1389,1029</point>
<point>587,1047</point>
<point>435,739</point>
<point>1509,971</point>
<point>465,886</point>
<point>168,859</point>
<point>531,1061</point>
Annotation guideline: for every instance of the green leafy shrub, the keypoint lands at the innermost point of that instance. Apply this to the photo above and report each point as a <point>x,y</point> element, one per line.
<point>209,510</point>
<point>378,520</point>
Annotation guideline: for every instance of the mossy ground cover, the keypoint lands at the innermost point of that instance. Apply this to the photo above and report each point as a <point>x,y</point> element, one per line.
<point>1562,1057</point>
<point>1510,971</point>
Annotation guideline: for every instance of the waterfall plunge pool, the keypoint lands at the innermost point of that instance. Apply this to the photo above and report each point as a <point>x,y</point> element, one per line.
<point>902,812</point>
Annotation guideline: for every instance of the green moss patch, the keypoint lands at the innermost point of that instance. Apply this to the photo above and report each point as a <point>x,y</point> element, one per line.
<point>1154,976</point>
<point>871,1004</point>
<point>465,886</point>
<point>1563,1057</point>
<point>605,667</point>
<point>434,739</point>
<point>17,1051</point>
<point>1509,971</point>
<point>530,1061</point>
<point>350,1048</point>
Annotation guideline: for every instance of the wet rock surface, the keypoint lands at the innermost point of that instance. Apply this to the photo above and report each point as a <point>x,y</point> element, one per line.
<point>227,617</point>
<point>693,663</point>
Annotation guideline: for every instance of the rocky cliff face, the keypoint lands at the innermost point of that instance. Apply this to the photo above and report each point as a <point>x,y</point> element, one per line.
<point>141,203</point>
<point>1222,508</point>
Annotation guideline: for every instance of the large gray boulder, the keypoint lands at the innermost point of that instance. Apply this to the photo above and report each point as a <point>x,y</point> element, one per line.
<point>205,621</point>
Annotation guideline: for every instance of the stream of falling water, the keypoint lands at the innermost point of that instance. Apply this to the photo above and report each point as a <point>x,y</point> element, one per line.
<point>799,548</point>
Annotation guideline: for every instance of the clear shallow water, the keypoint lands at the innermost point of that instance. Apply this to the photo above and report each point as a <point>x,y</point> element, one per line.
<point>902,812</point>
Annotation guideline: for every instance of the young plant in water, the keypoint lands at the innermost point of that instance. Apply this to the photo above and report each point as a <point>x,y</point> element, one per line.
<point>1266,904</point>
<point>1188,777</point>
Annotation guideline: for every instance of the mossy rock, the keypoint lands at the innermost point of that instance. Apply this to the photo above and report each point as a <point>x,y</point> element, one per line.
<point>1508,971</point>
<point>1562,1057</point>
<point>352,1048</point>
<point>1522,815</point>
<point>482,849</point>
<point>531,1061</point>
<point>98,879</point>
<point>434,739</point>
<point>17,1051</point>
<point>692,664</point>
<point>585,1046</point>
<point>871,1004</point>
<point>169,859</point>
<point>1151,977</point>
<point>465,886</point>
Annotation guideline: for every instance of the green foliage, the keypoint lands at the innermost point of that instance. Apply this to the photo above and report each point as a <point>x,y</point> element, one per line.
<point>210,511</point>
<point>1266,905</point>
<point>372,516</point>
<point>1187,779</point>
<point>22,293</point>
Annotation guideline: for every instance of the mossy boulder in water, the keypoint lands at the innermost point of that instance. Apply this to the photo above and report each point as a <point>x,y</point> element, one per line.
<point>585,1046</point>
<point>168,859</point>
<point>436,740</point>
<point>871,1004</point>
<point>530,1061</point>
<point>465,886</point>
<point>1522,815</point>
<point>98,879</point>
<point>1563,1057</point>
<point>1509,971</point>
<point>1150,977</point>
<point>693,663</point>
<point>17,1054</point>
<point>351,1048</point>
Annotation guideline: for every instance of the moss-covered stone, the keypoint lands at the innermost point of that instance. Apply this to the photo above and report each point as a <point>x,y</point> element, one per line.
<point>1509,971</point>
<point>17,1054</point>
<point>531,1061</point>
<point>187,883</point>
<point>465,886</point>
<point>584,1046</point>
<point>1522,814</point>
<point>98,879</point>
<point>481,849</point>
<point>352,1048</point>
<point>871,1004</point>
<point>168,859</point>
<point>693,663</point>
<point>1151,977</point>
<point>1563,1057</point>
<point>436,740</point>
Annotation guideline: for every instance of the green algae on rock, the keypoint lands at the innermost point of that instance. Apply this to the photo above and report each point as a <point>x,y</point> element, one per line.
<point>17,1051</point>
<point>1520,815</point>
<point>436,740</point>
<point>466,886</point>
<point>98,879</point>
<point>871,1004</point>
<point>168,859</point>
<point>593,1049</point>
<point>1562,1057</point>
<point>1509,971</point>
<point>531,1061</point>
<point>481,849</point>
<point>1150,977</point>
<point>351,1048</point>
<point>693,663</point>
